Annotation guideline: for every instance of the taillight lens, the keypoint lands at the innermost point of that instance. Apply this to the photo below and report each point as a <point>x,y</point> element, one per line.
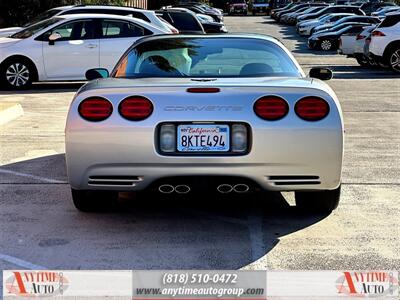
<point>377,33</point>
<point>95,109</point>
<point>271,108</point>
<point>136,108</point>
<point>360,37</point>
<point>311,108</point>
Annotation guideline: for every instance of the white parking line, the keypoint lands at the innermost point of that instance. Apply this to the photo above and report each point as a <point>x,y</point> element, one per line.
<point>20,263</point>
<point>40,178</point>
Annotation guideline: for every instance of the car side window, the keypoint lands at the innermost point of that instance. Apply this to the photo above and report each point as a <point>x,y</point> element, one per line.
<point>76,30</point>
<point>122,29</point>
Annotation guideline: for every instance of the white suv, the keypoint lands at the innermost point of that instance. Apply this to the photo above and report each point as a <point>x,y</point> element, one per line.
<point>64,48</point>
<point>385,42</point>
<point>145,15</point>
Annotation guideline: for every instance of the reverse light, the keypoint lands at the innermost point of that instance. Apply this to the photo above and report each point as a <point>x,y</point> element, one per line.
<point>271,108</point>
<point>311,108</point>
<point>167,138</point>
<point>95,109</point>
<point>135,108</point>
<point>239,138</point>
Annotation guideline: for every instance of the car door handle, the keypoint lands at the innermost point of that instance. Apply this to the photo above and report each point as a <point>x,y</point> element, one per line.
<point>91,46</point>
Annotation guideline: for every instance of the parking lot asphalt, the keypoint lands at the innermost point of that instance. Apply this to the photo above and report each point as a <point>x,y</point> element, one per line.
<point>40,228</point>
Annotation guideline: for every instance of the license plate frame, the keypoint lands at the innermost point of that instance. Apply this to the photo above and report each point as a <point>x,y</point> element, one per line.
<point>205,143</point>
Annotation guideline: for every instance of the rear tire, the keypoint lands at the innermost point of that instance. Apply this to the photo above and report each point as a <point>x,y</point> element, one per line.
<point>93,201</point>
<point>363,61</point>
<point>394,60</point>
<point>326,45</point>
<point>319,201</point>
<point>17,74</point>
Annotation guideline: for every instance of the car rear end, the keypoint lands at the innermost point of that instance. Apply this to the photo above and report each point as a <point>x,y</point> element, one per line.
<point>272,134</point>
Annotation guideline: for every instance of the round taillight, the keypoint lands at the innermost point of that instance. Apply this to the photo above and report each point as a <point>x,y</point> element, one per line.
<point>95,109</point>
<point>271,108</point>
<point>136,108</point>
<point>311,108</point>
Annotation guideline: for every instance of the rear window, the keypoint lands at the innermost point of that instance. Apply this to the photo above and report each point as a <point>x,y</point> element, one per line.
<point>182,21</point>
<point>390,21</point>
<point>206,57</point>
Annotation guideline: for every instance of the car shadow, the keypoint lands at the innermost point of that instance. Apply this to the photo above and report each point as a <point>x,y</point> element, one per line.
<point>144,231</point>
<point>46,87</point>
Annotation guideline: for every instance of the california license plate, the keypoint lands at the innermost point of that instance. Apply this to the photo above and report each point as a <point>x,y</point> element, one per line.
<point>203,138</point>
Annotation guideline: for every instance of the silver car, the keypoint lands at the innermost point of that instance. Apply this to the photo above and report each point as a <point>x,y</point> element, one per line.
<point>183,114</point>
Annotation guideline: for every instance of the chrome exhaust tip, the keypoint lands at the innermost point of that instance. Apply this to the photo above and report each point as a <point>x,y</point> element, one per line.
<point>224,188</point>
<point>241,188</point>
<point>182,189</point>
<point>166,189</point>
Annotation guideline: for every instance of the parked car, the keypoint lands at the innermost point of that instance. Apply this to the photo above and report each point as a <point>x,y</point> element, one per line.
<point>332,10</point>
<point>290,10</point>
<point>237,7</point>
<point>182,19</point>
<point>161,91</point>
<point>199,9</point>
<point>361,19</point>
<point>145,15</point>
<point>210,26</point>
<point>354,45</point>
<point>260,6</point>
<point>291,20</point>
<point>64,48</point>
<point>370,7</point>
<point>381,13</point>
<point>275,11</point>
<point>304,28</point>
<point>330,40</point>
<point>285,17</point>
<point>385,42</point>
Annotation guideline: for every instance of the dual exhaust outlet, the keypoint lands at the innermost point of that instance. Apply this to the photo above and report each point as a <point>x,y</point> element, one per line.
<point>222,188</point>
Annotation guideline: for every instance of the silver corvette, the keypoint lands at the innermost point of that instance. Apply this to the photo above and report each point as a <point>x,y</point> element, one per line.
<point>180,114</point>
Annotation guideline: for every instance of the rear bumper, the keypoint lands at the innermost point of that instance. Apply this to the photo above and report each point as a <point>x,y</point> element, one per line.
<point>118,153</point>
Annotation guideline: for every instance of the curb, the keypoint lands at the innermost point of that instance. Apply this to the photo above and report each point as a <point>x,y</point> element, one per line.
<point>9,112</point>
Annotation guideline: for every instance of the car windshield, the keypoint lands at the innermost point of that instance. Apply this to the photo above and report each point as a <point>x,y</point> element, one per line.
<point>206,57</point>
<point>43,16</point>
<point>325,18</point>
<point>260,1</point>
<point>31,30</point>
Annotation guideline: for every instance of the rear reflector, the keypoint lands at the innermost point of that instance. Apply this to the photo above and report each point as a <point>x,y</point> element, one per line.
<point>95,109</point>
<point>271,108</point>
<point>135,108</point>
<point>203,90</point>
<point>311,108</point>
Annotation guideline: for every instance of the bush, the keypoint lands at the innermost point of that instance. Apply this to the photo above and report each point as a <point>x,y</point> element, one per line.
<point>20,12</point>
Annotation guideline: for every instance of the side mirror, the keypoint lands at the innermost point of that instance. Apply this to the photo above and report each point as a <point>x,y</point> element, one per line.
<point>321,73</point>
<point>54,37</point>
<point>96,74</point>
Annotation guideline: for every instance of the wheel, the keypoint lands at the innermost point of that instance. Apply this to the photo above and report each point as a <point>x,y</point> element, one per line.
<point>92,201</point>
<point>319,201</point>
<point>326,45</point>
<point>17,74</point>
<point>394,60</point>
<point>363,61</point>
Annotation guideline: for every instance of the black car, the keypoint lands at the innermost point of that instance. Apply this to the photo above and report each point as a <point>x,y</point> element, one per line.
<point>182,19</point>
<point>371,7</point>
<point>355,19</point>
<point>218,17</point>
<point>275,11</point>
<point>329,40</point>
<point>290,10</point>
<point>310,10</point>
<point>332,10</point>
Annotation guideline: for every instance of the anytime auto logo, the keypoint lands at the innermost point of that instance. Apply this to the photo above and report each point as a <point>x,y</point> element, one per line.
<point>367,284</point>
<point>36,283</point>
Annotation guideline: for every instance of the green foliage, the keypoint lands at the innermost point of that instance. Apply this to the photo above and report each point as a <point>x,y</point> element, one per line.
<point>20,12</point>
